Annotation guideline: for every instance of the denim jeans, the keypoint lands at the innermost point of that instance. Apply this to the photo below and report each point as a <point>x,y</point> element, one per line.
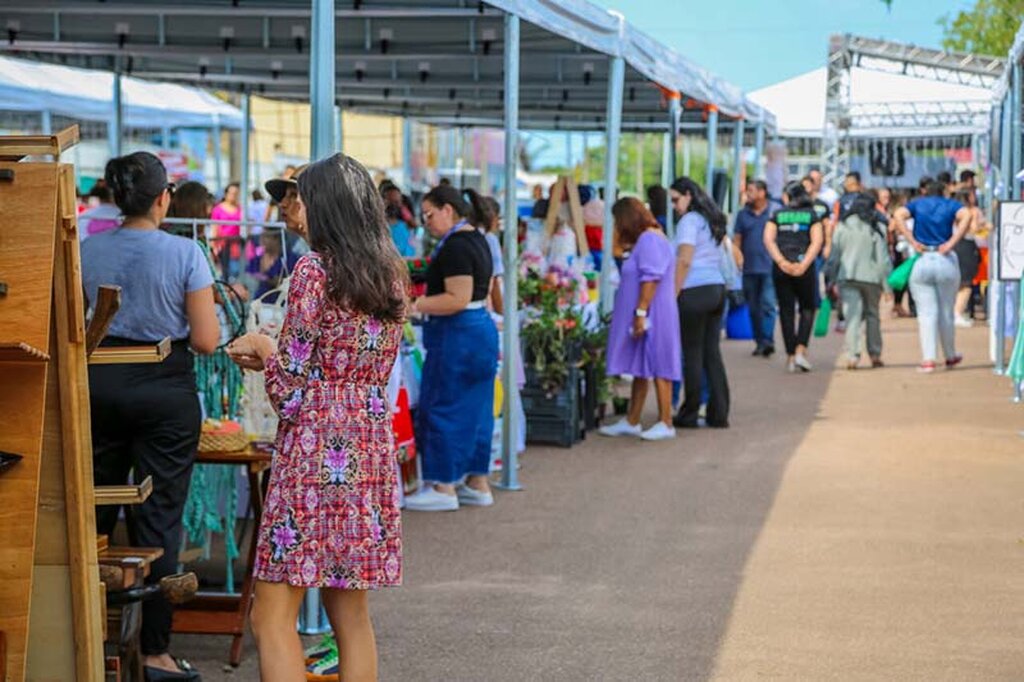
<point>759,290</point>
<point>933,283</point>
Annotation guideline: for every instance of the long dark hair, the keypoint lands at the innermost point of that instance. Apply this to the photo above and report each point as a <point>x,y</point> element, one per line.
<point>347,228</point>
<point>798,195</point>
<point>704,205</point>
<point>137,180</point>
<point>191,200</point>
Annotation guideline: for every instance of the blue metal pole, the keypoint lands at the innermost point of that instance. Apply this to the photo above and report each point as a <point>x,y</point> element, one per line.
<point>407,153</point>
<point>709,179</point>
<point>46,121</point>
<point>218,173</point>
<point>321,79</point>
<point>673,142</point>
<point>115,130</point>
<point>759,148</point>
<point>245,134</point>
<point>613,121</point>
<point>510,330</point>
<point>737,165</point>
<point>322,119</point>
<point>999,291</point>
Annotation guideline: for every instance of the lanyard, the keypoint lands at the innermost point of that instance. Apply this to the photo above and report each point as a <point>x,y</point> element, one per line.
<point>455,228</point>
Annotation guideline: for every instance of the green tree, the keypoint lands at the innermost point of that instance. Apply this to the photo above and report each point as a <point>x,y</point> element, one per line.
<point>987,28</point>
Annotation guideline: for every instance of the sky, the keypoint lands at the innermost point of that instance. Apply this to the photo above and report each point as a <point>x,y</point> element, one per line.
<point>755,43</point>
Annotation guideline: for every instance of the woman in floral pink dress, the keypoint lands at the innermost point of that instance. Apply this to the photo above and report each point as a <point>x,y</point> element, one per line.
<point>331,519</point>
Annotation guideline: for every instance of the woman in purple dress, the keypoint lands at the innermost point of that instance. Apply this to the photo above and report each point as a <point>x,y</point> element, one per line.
<point>643,340</point>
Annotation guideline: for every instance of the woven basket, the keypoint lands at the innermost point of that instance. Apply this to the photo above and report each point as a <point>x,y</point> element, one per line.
<point>223,442</point>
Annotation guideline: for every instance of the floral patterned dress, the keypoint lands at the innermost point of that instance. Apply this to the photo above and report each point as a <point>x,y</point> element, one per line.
<point>331,517</point>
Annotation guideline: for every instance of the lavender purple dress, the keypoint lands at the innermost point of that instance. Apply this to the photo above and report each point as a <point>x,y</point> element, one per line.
<point>655,355</point>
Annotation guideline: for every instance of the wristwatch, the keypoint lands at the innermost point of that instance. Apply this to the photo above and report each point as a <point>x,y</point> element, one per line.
<point>640,312</point>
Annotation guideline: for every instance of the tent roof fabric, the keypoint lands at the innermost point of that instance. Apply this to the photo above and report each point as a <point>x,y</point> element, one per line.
<point>438,60</point>
<point>86,95</point>
<point>944,108</point>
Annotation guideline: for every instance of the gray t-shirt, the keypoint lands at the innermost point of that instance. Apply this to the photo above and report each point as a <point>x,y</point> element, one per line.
<point>154,270</point>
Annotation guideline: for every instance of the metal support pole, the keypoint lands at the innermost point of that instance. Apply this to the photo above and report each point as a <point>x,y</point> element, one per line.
<point>321,79</point>
<point>510,330</point>
<point>998,295</point>
<point>407,154</point>
<point>674,110</point>
<point>339,128</point>
<point>586,157</point>
<point>245,135</point>
<point>737,166</point>
<point>666,180</point>
<point>46,121</point>
<point>613,121</point>
<point>1015,133</point>
<point>321,100</point>
<point>218,176</point>
<point>709,178</point>
<point>759,148</point>
<point>568,152</point>
<point>116,128</point>
<point>165,137</point>
<point>460,160</point>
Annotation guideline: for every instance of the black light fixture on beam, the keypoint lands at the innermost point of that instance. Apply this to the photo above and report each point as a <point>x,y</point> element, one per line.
<point>451,94</point>
<point>387,93</point>
<point>588,72</point>
<point>487,38</point>
<point>386,36</point>
<point>275,69</point>
<point>565,94</point>
<point>360,71</point>
<point>262,88</point>
<point>122,29</point>
<point>13,27</point>
<point>299,36</point>
<point>129,65</point>
<point>424,69</point>
<point>204,66</point>
<point>227,34</point>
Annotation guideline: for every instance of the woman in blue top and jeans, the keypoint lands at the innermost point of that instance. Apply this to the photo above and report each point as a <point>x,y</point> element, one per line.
<point>699,280</point>
<point>939,223</point>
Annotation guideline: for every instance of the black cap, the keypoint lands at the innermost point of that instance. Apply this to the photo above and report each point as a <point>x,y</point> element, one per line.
<point>278,187</point>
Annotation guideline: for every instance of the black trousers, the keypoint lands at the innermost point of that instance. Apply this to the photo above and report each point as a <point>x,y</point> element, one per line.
<point>792,291</point>
<point>146,417</point>
<point>700,318</point>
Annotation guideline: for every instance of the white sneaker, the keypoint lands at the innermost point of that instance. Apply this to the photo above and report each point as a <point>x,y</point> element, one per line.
<point>621,428</point>
<point>802,363</point>
<point>429,499</point>
<point>473,497</point>
<point>791,367</point>
<point>660,431</point>
<point>963,322</point>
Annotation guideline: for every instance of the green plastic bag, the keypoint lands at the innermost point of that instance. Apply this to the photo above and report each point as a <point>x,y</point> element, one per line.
<point>899,278</point>
<point>824,317</point>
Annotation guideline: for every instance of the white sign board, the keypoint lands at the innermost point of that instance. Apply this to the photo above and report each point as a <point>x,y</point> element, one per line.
<point>1011,241</point>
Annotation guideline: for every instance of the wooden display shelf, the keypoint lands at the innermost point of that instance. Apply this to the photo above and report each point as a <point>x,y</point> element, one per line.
<point>17,148</point>
<point>18,351</point>
<point>124,494</point>
<point>125,355</point>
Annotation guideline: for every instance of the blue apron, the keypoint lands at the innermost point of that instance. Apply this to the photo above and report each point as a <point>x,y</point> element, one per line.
<point>455,418</point>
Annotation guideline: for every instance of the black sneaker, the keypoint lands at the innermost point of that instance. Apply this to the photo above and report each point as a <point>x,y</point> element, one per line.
<point>768,351</point>
<point>758,352</point>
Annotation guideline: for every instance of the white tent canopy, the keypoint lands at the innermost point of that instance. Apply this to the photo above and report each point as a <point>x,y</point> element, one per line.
<point>941,108</point>
<point>83,94</point>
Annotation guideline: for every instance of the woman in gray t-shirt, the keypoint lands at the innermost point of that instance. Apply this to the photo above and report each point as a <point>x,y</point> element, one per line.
<point>146,417</point>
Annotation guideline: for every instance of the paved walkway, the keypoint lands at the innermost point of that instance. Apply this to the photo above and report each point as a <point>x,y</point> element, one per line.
<point>850,525</point>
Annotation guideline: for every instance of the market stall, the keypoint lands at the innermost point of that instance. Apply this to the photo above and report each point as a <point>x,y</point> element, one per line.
<point>513,64</point>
